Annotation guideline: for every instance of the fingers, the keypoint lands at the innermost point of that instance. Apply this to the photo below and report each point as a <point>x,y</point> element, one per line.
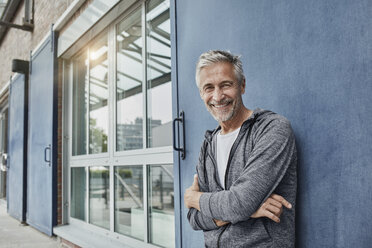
<point>220,223</point>
<point>281,200</point>
<point>274,202</point>
<point>195,180</point>
<point>275,210</point>
<point>270,215</point>
<point>195,184</point>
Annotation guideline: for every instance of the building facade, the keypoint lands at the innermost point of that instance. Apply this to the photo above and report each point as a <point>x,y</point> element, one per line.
<point>101,121</point>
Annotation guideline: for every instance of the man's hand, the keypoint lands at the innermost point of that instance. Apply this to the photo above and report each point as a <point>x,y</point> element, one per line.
<point>272,208</point>
<point>192,195</point>
<point>220,223</point>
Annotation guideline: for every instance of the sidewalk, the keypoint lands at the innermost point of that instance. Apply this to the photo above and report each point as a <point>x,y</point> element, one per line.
<point>13,234</point>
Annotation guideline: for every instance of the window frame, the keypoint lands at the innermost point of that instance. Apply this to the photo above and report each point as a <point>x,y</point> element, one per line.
<point>142,157</point>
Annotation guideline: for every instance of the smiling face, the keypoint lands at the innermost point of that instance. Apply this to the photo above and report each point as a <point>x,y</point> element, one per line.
<point>220,91</point>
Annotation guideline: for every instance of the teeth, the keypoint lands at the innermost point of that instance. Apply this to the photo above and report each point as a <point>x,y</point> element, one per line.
<point>220,106</point>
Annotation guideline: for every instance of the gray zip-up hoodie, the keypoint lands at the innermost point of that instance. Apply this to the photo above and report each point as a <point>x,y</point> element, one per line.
<point>262,161</point>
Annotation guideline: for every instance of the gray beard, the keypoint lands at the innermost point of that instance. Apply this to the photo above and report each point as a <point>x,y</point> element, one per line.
<point>228,116</point>
<point>224,118</point>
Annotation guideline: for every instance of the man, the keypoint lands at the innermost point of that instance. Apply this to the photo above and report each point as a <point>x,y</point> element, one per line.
<point>246,168</point>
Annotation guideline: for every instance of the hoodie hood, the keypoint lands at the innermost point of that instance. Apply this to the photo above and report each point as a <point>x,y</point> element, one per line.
<point>257,114</point>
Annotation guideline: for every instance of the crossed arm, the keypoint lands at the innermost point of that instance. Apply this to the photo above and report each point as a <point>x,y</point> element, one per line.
<point>272,208</point>
<point>251,194</point>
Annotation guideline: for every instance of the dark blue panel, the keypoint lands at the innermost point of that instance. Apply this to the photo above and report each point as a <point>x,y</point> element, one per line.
<point>16,170</point>
<point>311,62</point>
<point>41,194</point>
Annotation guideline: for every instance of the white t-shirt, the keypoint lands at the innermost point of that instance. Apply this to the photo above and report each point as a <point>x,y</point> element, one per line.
<point>224,144</point>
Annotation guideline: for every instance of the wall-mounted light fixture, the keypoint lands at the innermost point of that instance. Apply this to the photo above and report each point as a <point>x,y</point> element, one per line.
<point>20,66</point>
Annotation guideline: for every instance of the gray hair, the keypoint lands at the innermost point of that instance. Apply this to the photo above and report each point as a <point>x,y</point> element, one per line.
<point>219,56</point>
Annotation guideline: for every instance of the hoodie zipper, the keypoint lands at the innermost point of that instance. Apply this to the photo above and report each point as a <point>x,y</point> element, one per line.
<point>219,236</point>
<point>215,169</point>
<point>233,148</point>
<point>215,178</point>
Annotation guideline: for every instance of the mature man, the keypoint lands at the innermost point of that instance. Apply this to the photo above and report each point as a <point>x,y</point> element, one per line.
<point>247,165</point>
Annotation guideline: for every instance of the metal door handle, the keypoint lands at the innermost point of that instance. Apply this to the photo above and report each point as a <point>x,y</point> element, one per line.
<point>5,159</point>
<point>49,147</point>
<point>183,148</point>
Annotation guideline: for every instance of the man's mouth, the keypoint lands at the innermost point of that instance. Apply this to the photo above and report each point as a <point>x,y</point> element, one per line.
<point>220,105</point>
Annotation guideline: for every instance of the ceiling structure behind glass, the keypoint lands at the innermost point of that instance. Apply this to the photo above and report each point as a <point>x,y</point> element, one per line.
<point>130,48</point>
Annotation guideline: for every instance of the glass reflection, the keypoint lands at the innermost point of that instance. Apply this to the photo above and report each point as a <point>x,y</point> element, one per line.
<point>99,196</point>
<point>129,72</point>
<point>78,193</point>
<point>129,214</point>
<point>161,205</point>
<point>90,93</point>
<point>159,90</point>
<point>80,104</point>
<point>98,96</point>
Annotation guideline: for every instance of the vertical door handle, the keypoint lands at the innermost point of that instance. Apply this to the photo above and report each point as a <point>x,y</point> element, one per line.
<point>182,149</point>
<point>5,160</point>
<point>47,151</point>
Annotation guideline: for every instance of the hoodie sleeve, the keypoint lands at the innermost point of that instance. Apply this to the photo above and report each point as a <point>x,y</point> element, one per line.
<point>199,221</point>
<point>273,152</point>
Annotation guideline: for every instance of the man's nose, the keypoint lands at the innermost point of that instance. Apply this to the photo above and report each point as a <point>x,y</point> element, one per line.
<point>218,94</point>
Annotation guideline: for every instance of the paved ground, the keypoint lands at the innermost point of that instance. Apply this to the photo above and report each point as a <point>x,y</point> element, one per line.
<point>14,234</point>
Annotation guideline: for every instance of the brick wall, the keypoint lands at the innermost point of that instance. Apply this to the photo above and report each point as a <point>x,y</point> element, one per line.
<point>18,43</point>
<point>67,244</point>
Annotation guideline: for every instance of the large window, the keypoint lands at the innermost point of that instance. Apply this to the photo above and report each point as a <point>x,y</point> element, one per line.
<point>159,104</point>
<point>121,176</point>
<point>129,211</point>
<point>130,75</point>
<point>129,83</point>
<point>90,97</point>
<point>161,204</point>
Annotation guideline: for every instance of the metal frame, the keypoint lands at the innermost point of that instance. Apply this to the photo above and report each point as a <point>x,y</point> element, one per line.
<point>3,152</point>
<point>175,111</point>
<point>65,169</point>
<point>98,27</point>
<point>142,157</point>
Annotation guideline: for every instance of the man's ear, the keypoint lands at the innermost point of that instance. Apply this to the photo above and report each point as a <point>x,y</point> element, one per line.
<point>243,86</point>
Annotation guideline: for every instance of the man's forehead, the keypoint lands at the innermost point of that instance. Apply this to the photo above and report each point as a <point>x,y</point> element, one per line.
<point>217,70</point>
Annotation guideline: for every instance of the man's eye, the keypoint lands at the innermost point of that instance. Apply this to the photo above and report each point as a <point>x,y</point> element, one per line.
<point>208,89</point>
<point>227,85</point>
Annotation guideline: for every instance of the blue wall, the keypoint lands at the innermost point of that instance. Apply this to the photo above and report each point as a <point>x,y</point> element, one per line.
<point>311,62</point>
